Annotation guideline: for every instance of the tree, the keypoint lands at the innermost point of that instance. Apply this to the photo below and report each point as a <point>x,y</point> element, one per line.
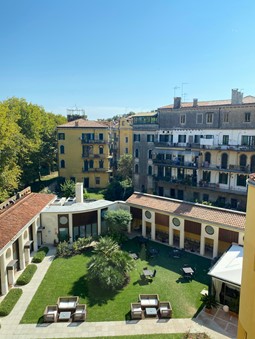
<point>68,188</point>
<point>125,165</point>
<point>117,222</point>
<point>109,266</point>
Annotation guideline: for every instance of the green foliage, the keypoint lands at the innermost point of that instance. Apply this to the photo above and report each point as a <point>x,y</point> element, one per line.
<point>117,223</point>
<point>63,249</point>
<point>68,188</point>
<point>109,266</point>
<point>40,254</point>
<point>209,301</point>
<point>124,168</point>
<point>81,244</point>
<point>26,275</point>
<point>119,190</point>
<point>10,301</point>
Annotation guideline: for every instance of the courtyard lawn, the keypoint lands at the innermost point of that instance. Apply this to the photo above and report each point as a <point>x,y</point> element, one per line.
<point>67,276</point>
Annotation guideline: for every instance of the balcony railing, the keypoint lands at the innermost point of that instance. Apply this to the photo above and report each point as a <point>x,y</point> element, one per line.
<point>95,141</point>
<point>175,163</point>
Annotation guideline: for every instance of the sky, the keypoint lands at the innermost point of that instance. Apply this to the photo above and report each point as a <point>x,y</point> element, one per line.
<point>115,56</point>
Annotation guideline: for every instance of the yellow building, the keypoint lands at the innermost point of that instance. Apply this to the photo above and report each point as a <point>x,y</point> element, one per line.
<point>84,152</point>
<point>246,325</point>
<point>125,136</point>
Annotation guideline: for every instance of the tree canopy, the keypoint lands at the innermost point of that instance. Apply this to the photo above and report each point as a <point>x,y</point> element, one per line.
<point>117,222</point>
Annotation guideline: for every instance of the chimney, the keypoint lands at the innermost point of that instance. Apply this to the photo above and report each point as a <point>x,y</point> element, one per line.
<point>79,192</point>
<point>237,97</point>
<point>177,102</point>
<point>76,123</point>
<point>195,102</point>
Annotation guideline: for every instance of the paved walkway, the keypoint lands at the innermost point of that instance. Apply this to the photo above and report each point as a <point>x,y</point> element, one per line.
<point>12,329</point>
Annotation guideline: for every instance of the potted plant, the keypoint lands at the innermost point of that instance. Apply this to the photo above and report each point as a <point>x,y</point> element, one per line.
<point>209,302</point>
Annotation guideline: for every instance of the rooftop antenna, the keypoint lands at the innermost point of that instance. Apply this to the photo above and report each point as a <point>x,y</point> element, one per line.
<point>184,94</point>
<point>75,110</point>
<point>175,88</point>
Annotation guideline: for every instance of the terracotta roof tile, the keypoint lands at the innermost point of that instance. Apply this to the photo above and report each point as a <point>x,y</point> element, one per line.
<point>83,123</point>
<point>190,210</point>
<point>18,215</point>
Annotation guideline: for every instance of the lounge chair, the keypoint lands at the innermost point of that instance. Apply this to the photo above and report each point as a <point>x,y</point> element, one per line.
<point>67,303</point>
<point>136,311</point>
<point>50,314</point>
<point>80,313</point>
<point>165,309</point>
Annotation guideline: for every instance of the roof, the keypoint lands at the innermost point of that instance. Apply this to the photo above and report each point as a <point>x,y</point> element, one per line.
<point>81,123</point>
<point>20,214</point>
<point>229,267</point>
<point>246,100</point>
<point>78,207</point>
<point>194,211</point>
<point>145,114</point>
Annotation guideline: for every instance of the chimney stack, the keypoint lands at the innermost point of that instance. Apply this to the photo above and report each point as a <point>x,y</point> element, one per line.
<point>79,192</point>
<point>237,97</point>
<point>195,102</point>
<point>76,123</point>
<point>177,102</point>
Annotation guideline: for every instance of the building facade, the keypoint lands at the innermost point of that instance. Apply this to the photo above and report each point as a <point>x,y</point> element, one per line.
<point>84,153</point>
<point>202,151</point>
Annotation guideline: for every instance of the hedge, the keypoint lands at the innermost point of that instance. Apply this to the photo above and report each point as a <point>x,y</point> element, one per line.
<point>40,254</point>
<point>10,301</point>
<point>26,275</point>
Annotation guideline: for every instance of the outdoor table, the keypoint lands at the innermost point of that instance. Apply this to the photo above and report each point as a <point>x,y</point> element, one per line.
<point>151,311</point>
<point>188,270</point>
<point>133,256</point>
<point>147,273</point>
<point>64,316</point>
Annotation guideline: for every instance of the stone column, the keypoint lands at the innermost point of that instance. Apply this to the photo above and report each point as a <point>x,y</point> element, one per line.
<point>3,271</point>
<point>181,245</point>
<point>215,242</point>
<point>34,233</point>
<point>202,245</point>
<point>153,226</point>
<point>70,227</point>
<point>171,233</point>
<point>99,226</point>
<point>21,252</point>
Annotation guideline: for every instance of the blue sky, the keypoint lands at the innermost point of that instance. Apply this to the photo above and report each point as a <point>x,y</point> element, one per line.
<point>114,56</point>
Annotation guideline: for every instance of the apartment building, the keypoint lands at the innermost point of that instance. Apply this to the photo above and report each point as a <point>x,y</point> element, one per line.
<point>197,151</point>
<point>84,153</point>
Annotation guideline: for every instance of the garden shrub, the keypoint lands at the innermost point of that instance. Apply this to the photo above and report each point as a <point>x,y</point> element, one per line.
<point>63,249</point>
<point>10,301</point>
<point>26,275</point>
<point>40,254</point>
<point>81,244</point>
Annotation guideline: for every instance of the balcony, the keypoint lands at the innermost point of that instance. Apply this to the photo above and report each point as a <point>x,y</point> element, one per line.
<point>238,148</point>
<point>175,163</point>
<point>95,141</point>
<point>228,168</point>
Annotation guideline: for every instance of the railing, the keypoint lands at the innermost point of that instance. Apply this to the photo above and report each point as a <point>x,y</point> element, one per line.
<point>95,141</point>
<point>199,146</point>
<point>175,163</point>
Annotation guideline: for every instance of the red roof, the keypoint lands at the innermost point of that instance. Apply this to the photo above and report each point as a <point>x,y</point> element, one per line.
<point>190,210</point>
<point>84,124</point>
<point>20,214</point>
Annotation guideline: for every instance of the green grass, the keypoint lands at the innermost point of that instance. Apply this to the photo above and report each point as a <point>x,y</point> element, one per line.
<point>96,194</point>
<point>67,276</point>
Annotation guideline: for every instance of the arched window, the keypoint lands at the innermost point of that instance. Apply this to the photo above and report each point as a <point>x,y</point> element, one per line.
<point>101,149</point>
<point>91,163</point>
<point>242,161</point>
<point>136,168</point>
<point>149,170</point>
<point>86,165</point>
<point>62,164</point>
<point>150,154</point>
<point>101,164</point>
<point>136,153</point>
<point>62,149</point>
<point>224,161</point>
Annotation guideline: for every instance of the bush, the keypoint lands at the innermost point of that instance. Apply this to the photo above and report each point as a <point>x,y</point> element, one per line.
<point>81,244</point>
<point>40,254</point>
<point>10,301</point>
<point>27,275</point>
<point>63,249</point>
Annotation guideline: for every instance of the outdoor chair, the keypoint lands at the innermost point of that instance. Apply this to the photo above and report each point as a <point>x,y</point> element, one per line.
<point>136,311</point>
<point>80,313</point>
<point>165,309</point>
<point>50,314</point>
<point>154,274</point>
<point>68,303</point>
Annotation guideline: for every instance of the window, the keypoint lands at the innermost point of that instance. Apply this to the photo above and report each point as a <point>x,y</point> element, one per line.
<point>196,196</point>
<point>207,158</point>
<point>91,163</point>
<point>205,197</point>
<point>62,149</point>
<point>243,161</point>
<point>136,169</point>
<point>225,117</point>
<point>207,176</point>
<point>97,180</point>
<point>136,153</point>
<point>176,222</point>
<point>126,140</point>
<point>101,136</point>
<point>136,137</point>
<point>223,178</point>
<point>101,150</point>
<point>209,230</point>
<point>183,119</point>
<point>248,140</point>
<point>209,118</point>
<point>199,118</point>
<point>148,214</point>
<point>62,164</point>
<point>247,117</point>
<point>224,161</point>
<point>126,150</point>
<point>61,136</point>
<point>150,154</point>
<point>101,164</point>
<point>149,170</point>
<point>241,180</point>
<point>197,139</point>
<point>150,138</point>
<point>182,138</point>
<point>225,139</point>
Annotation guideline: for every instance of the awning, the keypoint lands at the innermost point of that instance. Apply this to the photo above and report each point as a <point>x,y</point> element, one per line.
<point>11,264</point>
<point>28,243</point>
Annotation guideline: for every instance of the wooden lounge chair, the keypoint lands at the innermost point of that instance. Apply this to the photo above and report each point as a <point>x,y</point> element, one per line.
<point>50,314</point>
<point>136,311</point>
<point>165,309</point>
<point>67,303</point>
<point>80,313</point>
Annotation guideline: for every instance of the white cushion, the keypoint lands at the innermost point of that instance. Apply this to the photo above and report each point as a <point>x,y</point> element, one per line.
<point>137,309</point>
<point>164,308</point>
